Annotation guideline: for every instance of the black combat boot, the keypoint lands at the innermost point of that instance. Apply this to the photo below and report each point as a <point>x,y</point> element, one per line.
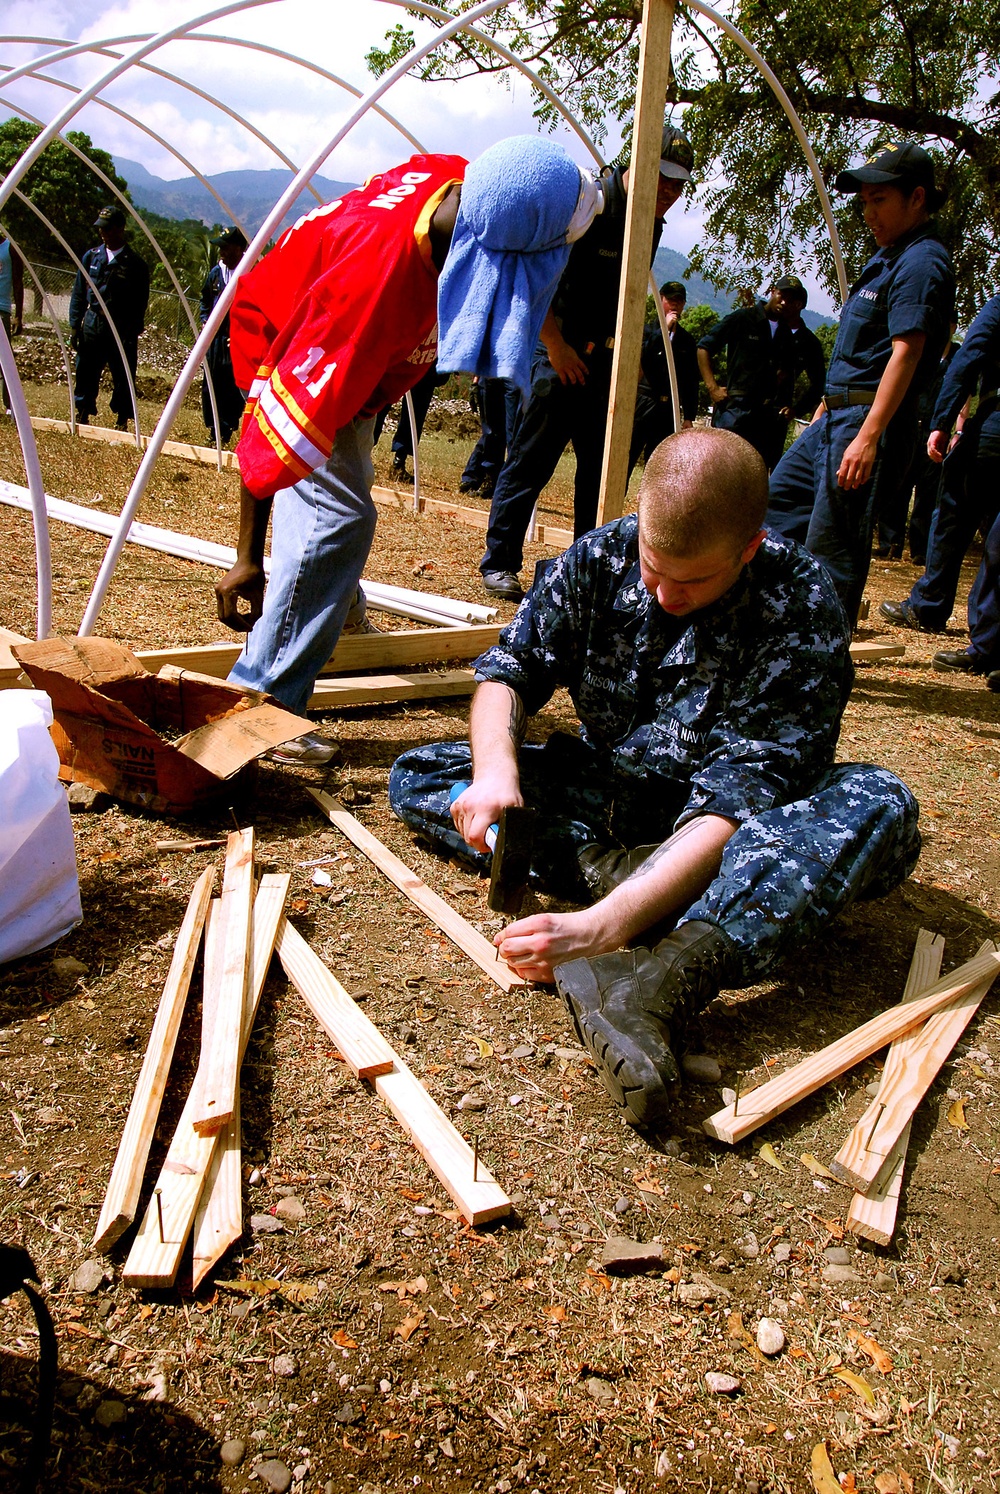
<point>631,1008</point>
<point>604,870</point>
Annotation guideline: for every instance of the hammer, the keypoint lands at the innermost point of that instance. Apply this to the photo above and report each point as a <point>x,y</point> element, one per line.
<point>512,841</point>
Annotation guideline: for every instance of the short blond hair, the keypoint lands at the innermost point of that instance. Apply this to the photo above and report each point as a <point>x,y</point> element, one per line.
<point>701,488</point>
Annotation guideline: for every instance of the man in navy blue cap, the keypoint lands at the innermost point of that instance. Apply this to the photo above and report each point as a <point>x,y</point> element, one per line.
<point>892,329</point>
<point>117,291</point>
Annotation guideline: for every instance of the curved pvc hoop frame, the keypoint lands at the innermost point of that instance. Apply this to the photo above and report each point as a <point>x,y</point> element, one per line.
<point>51,313</point>
<point>222,306</point>
<point>33,472</point>
<point>824,197</point>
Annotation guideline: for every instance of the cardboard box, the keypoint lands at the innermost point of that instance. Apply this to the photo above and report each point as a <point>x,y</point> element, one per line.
<point>169,742</point>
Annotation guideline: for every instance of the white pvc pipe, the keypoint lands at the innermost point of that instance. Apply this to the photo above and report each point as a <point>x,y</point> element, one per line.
<point>36,491</point>
<point>221,307</point>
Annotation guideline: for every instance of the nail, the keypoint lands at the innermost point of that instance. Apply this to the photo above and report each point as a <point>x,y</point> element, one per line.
<point>871,1133</point>
<point>736,1098</point>
<point>159,1212</point>
<point>475,1160</point>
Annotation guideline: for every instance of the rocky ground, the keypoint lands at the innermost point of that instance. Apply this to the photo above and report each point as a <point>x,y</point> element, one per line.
<point>361,1337</point>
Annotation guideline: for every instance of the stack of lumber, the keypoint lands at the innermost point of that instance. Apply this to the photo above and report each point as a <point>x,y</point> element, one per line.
<point>198,1193</point>
<point>922,1030</point>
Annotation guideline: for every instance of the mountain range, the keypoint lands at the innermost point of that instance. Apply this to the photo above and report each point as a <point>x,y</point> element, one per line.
<point>251,195</point>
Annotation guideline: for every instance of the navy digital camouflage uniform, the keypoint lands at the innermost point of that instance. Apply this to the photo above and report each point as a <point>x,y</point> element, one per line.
<point>970,493</point>
<point>734,710</point>
<point>905,287</point>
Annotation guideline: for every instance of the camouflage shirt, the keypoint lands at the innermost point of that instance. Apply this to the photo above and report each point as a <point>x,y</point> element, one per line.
<point>732,710</point>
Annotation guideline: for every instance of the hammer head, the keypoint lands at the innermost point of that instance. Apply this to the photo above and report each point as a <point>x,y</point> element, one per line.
<point>511,859</point>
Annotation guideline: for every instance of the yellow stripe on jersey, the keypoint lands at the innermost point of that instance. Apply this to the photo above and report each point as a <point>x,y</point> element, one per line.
<point>291,404</point>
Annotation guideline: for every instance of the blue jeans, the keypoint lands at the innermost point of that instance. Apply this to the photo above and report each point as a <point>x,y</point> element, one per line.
<point>321,532</point>
<point>555,416</point>
<point>809,505</point>
<point>785,874</point>
<point>970,500</point>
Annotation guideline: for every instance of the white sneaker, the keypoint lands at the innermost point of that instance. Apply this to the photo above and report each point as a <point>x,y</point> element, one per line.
<point>307,751</point>
<point>356,629</point>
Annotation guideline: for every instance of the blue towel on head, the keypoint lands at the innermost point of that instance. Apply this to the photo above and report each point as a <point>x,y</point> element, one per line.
<point>507,253</point>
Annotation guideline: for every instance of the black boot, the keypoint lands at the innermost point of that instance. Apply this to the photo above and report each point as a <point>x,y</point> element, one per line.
<point>631,1008</point>
<point>604,870</point>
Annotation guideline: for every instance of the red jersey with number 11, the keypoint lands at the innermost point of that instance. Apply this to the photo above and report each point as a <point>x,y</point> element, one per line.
<point>337,321</point>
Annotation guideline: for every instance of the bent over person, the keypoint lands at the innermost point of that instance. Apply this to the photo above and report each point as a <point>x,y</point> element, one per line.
<point>700,813</point>
<point>338,321</point>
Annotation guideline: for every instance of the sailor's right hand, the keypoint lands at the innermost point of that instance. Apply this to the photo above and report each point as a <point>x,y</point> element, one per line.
<point>480,807</point>
<point>245,582</point>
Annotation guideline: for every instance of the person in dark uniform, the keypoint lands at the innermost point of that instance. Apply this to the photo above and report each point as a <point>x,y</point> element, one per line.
<point>760,372</point>
<point>922,478</point>
<point>497,403</point>
<point>231,245</point>
<point>122,278</point>
<point>892,329</point>
<point>402,439</point>
<point>700,812</point>
<point>654,406</point>
<point>571,373</point>
<point>810,360</point>
<point>970,500</point>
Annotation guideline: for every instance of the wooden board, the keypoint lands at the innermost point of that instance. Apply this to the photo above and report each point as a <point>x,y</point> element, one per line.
<point>866,1156</point>
<point>12,676</point>
<point>867,653</point>
<point>153,1262</point>
<point>353,654</point>
<point>122,1197</point>
<point>449,1156</point>
<point>360,1043</point>
<point>647,136</point>
<point>217,1079</point>
<point>385,689</point>
<point>473,518</point>
<point>468,939</point>
<point>874,1217</point>
<point>763,1104</point>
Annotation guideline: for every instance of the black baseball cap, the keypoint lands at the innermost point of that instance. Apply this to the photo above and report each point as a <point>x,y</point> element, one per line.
<point>676,155</point>
<point>110,217</point>
<point>674,290</point>
<point>792,283</point>
<point>897,163</point>
<point>229,236</point>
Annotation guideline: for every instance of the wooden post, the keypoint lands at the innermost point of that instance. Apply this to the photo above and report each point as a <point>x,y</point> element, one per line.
<point>122,1197</point>
<point>647,137</point>
<point>779,1094</point>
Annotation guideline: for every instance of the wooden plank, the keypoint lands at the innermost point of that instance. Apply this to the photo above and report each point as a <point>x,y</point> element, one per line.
<point>472,518</point>
<point>12,676</point>
<point>354,654</point>
<point>360,1043</point>
<point>152,1261</point>
<point>468,1182</point>
<point>468,939</point>
<point>867,653</point>
<point>763,1104</point>
<point>443,1148</point>
<point>647,136</point>
<point>219,1065</point>
<point>186,449</point>
<point>866,1155</point>
<point>386,689</point>
<point>122,1197</point>
<point>874,1217</point>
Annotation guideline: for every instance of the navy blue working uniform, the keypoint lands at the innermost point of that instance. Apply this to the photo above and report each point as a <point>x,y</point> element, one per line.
<point>219,362</point>
<point>123,281</point>
<point>810,367</point>
<point>497,403</point>
<point>654,405</point>
<point>733,710</point>
<point>906,287</point>
<point>760,377</point>
<point>970,495</point>
<point>556,415</point>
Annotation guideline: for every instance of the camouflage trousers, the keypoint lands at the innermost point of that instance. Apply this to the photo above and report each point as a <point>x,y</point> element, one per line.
<point>785,873</point>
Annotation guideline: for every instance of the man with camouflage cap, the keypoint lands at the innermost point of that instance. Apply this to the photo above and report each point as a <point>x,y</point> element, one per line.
<point>700,813</point>
<point>571,372</point>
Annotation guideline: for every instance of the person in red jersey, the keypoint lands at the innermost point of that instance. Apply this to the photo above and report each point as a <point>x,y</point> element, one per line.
<point>339,320</point>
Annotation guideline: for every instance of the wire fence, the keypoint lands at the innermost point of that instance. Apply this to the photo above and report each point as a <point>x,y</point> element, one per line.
<point>166,310</point>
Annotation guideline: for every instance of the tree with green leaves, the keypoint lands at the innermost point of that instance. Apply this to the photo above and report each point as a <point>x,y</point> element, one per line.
<point>859,72</point>
<point>61,185</point>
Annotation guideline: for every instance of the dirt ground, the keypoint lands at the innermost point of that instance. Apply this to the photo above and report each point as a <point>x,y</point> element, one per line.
<point>376,1342</point>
